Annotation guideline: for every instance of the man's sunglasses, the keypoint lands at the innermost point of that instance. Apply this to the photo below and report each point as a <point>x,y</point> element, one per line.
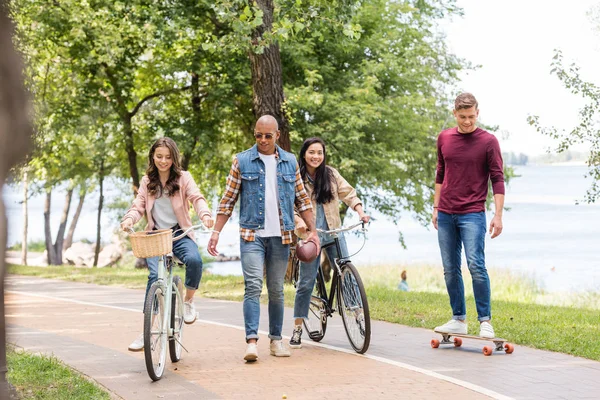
<point>267,136</point>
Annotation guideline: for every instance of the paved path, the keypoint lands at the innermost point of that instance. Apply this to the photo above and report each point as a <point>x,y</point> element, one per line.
<point>89,327</point>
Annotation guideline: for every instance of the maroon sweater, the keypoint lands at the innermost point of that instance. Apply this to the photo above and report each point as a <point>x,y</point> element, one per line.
<point>466,162</point>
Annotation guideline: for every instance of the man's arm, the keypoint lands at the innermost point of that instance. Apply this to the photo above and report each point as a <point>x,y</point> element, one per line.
<point>496,224</point>
<point>436,201</point>
<point>496,167</point>
<point>304,206</point>
<point>230,197</point>
<point>440,171</point>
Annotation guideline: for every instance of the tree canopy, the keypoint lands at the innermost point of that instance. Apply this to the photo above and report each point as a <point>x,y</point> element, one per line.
<point>372,78</point>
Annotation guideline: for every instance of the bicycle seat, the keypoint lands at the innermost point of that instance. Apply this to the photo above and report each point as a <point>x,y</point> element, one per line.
<point>176,260</point>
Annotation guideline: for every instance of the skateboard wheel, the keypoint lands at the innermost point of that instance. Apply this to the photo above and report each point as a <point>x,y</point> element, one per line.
<point>435,343</point>
<point>457,342</point>
<point>487,350</point>
<point>509,348</point>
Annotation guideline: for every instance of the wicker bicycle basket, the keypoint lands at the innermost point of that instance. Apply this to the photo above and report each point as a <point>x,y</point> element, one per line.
<point>151,243</point>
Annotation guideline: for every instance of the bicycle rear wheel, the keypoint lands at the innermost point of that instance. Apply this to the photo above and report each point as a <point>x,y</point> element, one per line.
<point>176,320</point>
<point>155,334</point>
<point>354,308</point>
<point>316,323</point>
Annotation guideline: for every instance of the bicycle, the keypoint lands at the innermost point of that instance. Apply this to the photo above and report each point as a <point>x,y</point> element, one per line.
<point>351,297</point>
<point>163,307</point>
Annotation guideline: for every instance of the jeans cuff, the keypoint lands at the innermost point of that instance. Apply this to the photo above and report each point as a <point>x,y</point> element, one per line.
<point>251,336</point>
<point>481,319</point>
<point>273,337</point>
<point>191,287</point>
<point>459,317</point>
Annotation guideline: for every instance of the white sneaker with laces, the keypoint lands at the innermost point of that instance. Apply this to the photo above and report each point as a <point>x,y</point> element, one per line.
<point>278,349</point>
<point>486,330</point>
<point>453,326</point>
<point>189,312</point>
<point>251,352</point>
<point>137,344</point>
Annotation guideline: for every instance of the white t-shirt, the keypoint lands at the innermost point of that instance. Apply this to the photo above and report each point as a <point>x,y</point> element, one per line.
<point>272,225</point>
<point>162,212</point>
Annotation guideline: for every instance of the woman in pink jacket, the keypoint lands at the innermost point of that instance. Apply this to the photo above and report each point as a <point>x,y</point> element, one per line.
<point>163,197</point>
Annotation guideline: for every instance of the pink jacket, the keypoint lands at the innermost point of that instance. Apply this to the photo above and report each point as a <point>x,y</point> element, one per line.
<point>188,192</point>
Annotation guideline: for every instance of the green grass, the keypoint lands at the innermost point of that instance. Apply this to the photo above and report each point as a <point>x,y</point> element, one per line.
<point>38,246</point>
<point>42,377</point>
<point>522,312</point>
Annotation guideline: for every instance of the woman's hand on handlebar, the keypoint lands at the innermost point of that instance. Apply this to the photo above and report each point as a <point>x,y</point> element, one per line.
<point>208,221</point>
<point>127,225</point>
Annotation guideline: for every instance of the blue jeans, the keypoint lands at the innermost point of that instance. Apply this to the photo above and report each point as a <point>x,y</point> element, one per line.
<point>270,254</point>
<point>308,275</point>
<point>454,231</point>
<point>187,251</point>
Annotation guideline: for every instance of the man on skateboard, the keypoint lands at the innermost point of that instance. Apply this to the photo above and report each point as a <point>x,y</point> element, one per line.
<point>468,157</point>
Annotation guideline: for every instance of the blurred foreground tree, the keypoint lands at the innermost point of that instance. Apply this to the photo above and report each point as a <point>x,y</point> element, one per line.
<point>15,135</point>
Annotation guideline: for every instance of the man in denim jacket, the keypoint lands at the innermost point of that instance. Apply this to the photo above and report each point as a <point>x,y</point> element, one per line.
<point>268,181</point>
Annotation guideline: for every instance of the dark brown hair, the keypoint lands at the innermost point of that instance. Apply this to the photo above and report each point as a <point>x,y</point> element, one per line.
<point>464,101</point>
<point>154,186</point>
<point>323,184</point>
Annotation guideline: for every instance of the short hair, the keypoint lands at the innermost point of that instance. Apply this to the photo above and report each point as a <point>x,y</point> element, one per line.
<point>268,119</point>
<point>464,101</point>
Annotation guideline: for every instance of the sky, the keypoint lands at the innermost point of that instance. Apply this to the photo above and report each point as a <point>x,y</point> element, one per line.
<point>513,41</point>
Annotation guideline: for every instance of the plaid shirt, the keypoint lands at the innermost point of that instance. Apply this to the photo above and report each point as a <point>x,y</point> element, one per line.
<point>232,193</point>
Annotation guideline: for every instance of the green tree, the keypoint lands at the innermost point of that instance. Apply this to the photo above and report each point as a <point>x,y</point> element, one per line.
<point>587,131</point>
<point>378,97</point>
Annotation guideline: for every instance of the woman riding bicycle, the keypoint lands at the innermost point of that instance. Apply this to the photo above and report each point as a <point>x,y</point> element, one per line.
<point>326,187</point>
<point>163,197</point>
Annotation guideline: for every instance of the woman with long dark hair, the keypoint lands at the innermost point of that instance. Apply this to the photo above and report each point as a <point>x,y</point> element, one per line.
<point>327,188</point>
<point>164,197</point>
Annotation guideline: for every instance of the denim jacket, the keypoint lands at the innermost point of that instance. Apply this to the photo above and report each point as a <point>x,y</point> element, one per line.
<point>252,194</point>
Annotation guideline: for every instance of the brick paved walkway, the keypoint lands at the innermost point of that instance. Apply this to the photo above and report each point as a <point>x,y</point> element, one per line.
<point>90,326</point>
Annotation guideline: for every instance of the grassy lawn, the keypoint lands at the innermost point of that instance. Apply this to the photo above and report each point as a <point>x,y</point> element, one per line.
<point>42,377</point>
<point>522,313</point>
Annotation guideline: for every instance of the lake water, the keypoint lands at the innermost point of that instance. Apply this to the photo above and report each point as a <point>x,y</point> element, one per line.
<point>545,233</point>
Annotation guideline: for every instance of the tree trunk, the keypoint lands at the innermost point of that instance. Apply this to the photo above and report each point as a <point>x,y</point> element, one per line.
<point>48,230</point>
<point>60,236</point>
<point>24,240</point>
<point>131,153</point>
<point>69,239</point>
<point>267,79</point>
<point>196,100</point>
<point>15,140</point>
<point>98,225</point>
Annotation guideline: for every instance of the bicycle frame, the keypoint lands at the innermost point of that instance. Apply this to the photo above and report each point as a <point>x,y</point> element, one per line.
<point>165,276</point>
<point>338,263</point>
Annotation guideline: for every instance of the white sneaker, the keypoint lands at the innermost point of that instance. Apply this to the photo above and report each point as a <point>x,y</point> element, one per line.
<point>251,352</point>
<point>486,330</point>
<point>453,326</point>
<point>137,344</point>
<point>278,349</point>
<point>189,312</point>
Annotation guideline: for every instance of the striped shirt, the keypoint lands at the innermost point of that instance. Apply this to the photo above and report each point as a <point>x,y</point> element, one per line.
<point>232,193</point>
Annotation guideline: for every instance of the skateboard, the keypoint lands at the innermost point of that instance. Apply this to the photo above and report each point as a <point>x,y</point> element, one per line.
<point>501,344</point>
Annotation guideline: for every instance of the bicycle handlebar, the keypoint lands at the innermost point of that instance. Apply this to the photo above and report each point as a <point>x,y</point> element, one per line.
<point>180,236</point>
<point>342,229</point>
<point>191,228</point>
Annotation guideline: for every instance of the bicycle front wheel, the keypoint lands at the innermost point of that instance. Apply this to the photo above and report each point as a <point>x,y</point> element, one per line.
<point>176,321</point>
<point>155,332</point>
<point>354,308</point>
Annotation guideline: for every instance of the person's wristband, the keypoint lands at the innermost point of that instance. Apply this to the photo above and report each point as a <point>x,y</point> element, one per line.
<point>435,206</point>
<point>215,231</point>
